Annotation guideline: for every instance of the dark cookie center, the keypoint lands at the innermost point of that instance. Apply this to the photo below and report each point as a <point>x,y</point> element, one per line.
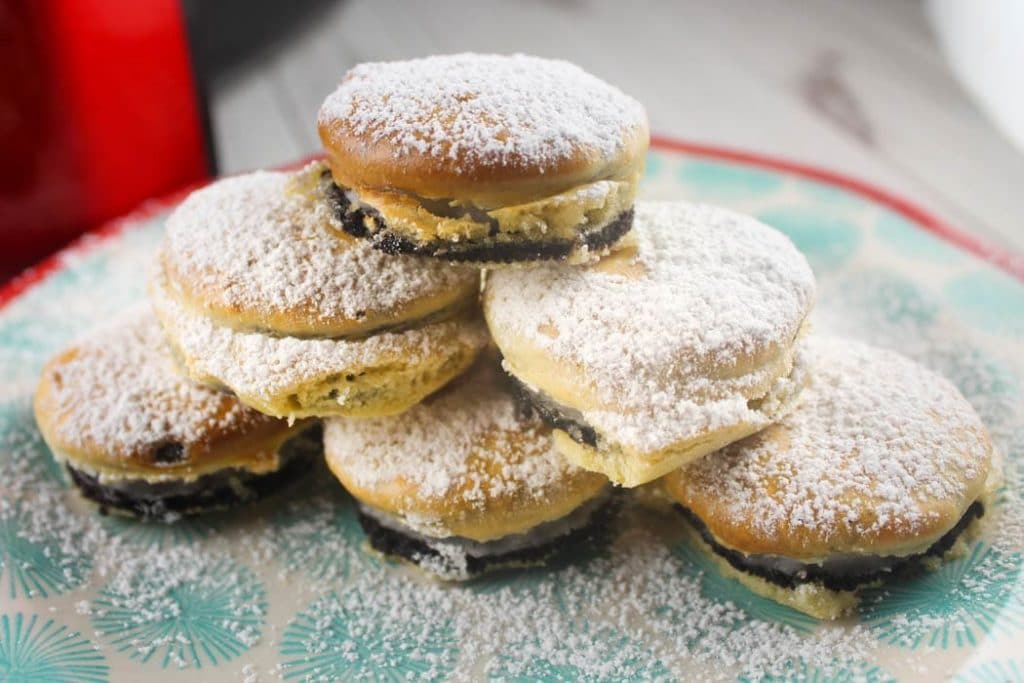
<point>842,575</point>
<point>169,453</point>
<point>392,542</point>
<point>554,414</point>
<point>217,490</point>
<point>353,222</point>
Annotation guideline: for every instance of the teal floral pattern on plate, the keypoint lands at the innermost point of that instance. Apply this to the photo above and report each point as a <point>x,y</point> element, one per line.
<point>714,181</point>
<point>584,653</point>
<point>350,637</point>
<point>884,299</point>
<point>180,616</point>
<point>987,382</point>
<point>860,672</point>
<point>654,165</point>
<point>829,198</point>
<point>974,372</point>
<point>161,533</point>
<point>828,241</point>
<point>903,237</point>
<point>37,651</point>
<point>881,275</point>
<point>33,563</point>
<point>1006,671</point>
<point>990,300</point>
<point>20,438</point>
<point>321,536</point>
<point>954,606</point>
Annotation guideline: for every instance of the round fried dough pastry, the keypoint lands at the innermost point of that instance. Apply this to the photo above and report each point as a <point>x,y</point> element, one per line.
<point>261,252</point>
<point>683,340</point>
<point>882,457</point>
<point>484,158</point>
<point>259,295</point>
<point>135,434</point>
<point>464,463</point>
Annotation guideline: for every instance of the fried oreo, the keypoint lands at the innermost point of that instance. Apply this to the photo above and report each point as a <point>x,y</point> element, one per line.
<point>484,159</point>
<point>684,339</point>
<point>465,481</point>
<point>880,471</point>
<point>138,437</point>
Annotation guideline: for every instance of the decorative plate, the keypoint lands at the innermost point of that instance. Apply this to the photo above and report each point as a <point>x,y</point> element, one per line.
<point>285,591</point>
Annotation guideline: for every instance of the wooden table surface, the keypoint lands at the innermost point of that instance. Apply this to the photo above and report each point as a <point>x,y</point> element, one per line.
<point>856,87</point>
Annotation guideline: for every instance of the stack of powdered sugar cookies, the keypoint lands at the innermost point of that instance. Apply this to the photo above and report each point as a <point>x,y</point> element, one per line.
<point>466,311</point>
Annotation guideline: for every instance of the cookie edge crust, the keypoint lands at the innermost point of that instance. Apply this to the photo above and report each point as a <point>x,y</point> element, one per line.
<point>629,468</point>
<point>587,245</point>
<point>813,598</point>
<point>390,544</point>
<point>221,489</point>
<point>312,398</point>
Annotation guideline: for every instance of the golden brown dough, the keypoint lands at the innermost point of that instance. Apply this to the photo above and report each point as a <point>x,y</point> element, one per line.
<point>683,340</point>
<point>484,158</point>
<point>882,459</point>
<point>114,408</point>
<point>260,295</point>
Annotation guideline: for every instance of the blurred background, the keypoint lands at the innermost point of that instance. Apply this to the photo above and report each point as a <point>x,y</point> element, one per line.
<point>104,103</point>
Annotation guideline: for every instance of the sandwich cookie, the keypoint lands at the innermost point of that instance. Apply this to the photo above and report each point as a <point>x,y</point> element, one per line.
<point>465,482</point>
<point>683,340</point>
<point>879,471</point>
<point>261,294</point>
<point>483,158</point>
<point>137,437</point>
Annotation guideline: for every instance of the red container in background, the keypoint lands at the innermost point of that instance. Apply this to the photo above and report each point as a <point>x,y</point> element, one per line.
<point>98,111</point>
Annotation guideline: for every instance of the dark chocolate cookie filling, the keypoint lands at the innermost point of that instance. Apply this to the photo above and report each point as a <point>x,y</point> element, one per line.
<point>872,568</point>
<point>394,543</point>
<point>218,490</point>
<point>553,414</point>
<point>352,221</point>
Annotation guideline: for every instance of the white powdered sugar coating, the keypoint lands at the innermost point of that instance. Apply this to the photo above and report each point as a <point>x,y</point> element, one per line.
<point>876,442</point>
<point>253,243</point>
<point>262,366</point>
<point>675,611</point>
<point>494,109</point>
<point>706,289</point>
<point>121,392</point>
<point>468,444</point>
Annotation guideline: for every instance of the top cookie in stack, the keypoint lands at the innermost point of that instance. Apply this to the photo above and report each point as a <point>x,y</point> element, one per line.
<point>484,159</point>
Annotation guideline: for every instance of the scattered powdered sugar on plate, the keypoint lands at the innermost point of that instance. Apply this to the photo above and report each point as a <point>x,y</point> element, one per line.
<point>877,442</point>
<point>253,243</point>
<point>183,606</point>
<point>636,613</point>
<point>469,440</point>
<point>119,393</point>
<point>660,338</point>
<point>494,109</point>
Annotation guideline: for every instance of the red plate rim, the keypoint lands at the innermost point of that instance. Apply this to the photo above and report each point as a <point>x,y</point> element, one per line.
<point>1005,260</point>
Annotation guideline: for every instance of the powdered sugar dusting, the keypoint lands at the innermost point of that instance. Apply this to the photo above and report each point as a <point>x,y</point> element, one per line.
<point>666,611</point>
<point>713,287</point>
<point>468,443</point>
<point>262,366</point>
<point>120,393</point>
<point>253,243</point>
<point>876,441</point>
<point>503,110</point>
